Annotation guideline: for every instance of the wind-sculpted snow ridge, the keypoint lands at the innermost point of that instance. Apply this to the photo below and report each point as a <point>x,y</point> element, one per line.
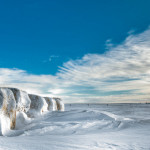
<point>18,108</point>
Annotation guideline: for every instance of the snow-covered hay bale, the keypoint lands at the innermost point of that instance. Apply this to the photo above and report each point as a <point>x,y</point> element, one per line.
<point>38,105</point>
<point>52,106</point>
<point>60,104</point>
<point>8,108</point>
<point>22,120</point>
<point>22,100</point>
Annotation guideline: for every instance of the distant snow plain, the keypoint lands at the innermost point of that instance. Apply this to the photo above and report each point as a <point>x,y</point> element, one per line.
<point>83,127</point>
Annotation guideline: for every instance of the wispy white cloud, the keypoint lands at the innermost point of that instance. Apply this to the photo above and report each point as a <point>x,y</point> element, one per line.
<point>53,57</point>
<point>122,74</point>
<point>38,84</point>
<point>122,69</point>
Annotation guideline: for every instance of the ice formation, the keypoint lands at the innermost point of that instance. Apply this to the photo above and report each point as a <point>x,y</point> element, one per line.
<point>38,105</point>
<point>52,106</point>
<point>22,100</point>
<point>16,105</point>
<point>8,108</point>
<point>60,105</point>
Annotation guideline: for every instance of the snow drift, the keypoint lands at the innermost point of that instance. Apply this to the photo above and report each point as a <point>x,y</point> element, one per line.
<point>18,107</point>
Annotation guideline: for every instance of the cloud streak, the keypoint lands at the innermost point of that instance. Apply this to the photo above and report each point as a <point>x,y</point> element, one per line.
<point>122,74</point>
<point>122,69</point>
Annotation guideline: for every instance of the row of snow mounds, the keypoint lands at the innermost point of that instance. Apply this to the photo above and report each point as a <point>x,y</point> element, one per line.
<point>13,100</point>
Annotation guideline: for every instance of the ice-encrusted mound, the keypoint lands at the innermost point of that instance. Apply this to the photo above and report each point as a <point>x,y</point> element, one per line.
<point>60,104</point>
<point>52,106</point>
<point>38,105</point>
<point>8,110</point>
<point>22,100</point>
<point>26,106</point>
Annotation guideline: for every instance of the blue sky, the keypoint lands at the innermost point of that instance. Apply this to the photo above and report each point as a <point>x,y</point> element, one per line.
<point>59,40</point>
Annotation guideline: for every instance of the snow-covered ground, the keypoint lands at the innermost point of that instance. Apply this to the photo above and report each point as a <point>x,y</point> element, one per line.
<point>83,127</point>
